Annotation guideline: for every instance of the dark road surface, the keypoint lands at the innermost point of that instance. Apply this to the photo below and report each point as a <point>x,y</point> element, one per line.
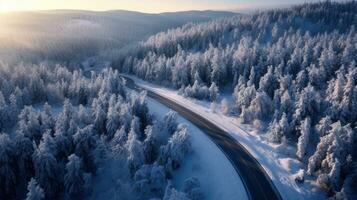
<point>257,183</point>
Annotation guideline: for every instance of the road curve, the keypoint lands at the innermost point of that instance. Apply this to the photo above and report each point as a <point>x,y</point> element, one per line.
<point>256,181</point>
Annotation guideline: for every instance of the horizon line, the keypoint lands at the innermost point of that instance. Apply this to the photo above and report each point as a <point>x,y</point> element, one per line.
<point>243,9</point>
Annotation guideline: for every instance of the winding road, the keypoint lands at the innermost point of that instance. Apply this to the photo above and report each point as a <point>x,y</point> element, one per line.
<point>257,183</point>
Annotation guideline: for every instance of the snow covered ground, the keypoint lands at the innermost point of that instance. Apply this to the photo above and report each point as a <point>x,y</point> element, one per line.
<point>279,161</point>
<point>207,163</point>
<point>216,174</point>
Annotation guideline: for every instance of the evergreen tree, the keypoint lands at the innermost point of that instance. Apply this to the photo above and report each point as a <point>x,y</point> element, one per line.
<point>74,181</point>
<point>268,83</point>
<point>35,192</point>
<point>136,156</point>
<point>213,92</point>
<point>177,148</point>
<point>304,138</point>
<point>261,106</point>
<point>113,121</point>
<point>84,144</point>
<point>47,169</point>
<point>7,163</point>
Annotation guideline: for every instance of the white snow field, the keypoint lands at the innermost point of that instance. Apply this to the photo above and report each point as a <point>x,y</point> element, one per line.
<point>279,161</point>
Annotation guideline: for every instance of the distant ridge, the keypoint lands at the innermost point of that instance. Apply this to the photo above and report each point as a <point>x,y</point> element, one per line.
<point>69,34</point>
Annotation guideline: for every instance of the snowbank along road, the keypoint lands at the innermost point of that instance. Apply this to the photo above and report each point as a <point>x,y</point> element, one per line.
<point>257,183</point>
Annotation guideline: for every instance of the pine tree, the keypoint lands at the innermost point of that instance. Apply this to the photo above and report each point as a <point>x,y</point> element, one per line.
<point>7,163</point>
<point>45,118</point>
<point>150,145</point>
<point>12,111</point>
<point>120,138</point>
<point>334,175</point>
<point>63,122</point>
<point>83,116</point>
<point>308,104</point>
<point>304,138</point>
<point>279,129</point>
<point>275,133</point>
<point>136,156</point>
<point>170,123</point>
<point>35,192</point>
<point>47,169</point>
<point>261,106</point>
<point>135,128</point>
<point>99,116</point>
<point>74,181</point>
<point>213,92</point>
<point>84,144</point>
<point>327,146</point>
<point>179,146</point>
<point>324,126</point>
<point>268,83</point>
<point>140,109</point>
<point>24,150</point>
<point>113,122</point>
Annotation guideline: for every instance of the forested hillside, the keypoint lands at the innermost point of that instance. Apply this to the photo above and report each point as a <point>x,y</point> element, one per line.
<point>292,71</point>
<point>72,36</point>
<point>58,129</point>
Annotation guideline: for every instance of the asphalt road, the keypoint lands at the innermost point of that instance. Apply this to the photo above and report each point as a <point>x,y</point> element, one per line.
<point>256,181</point>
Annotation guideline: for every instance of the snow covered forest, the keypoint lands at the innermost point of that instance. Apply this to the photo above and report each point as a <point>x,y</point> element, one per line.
<point>291,72</point>
<point>60,128</point>
<point>71,36</point>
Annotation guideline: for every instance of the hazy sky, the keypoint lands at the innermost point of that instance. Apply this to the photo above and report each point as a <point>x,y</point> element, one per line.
<point>152,6</point>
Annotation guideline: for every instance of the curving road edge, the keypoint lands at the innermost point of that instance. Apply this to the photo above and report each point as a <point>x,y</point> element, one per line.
<point>256,181</point>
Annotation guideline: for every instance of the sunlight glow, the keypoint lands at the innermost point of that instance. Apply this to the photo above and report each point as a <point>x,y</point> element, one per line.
<point>149,6</point>
<point>137,5</point>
